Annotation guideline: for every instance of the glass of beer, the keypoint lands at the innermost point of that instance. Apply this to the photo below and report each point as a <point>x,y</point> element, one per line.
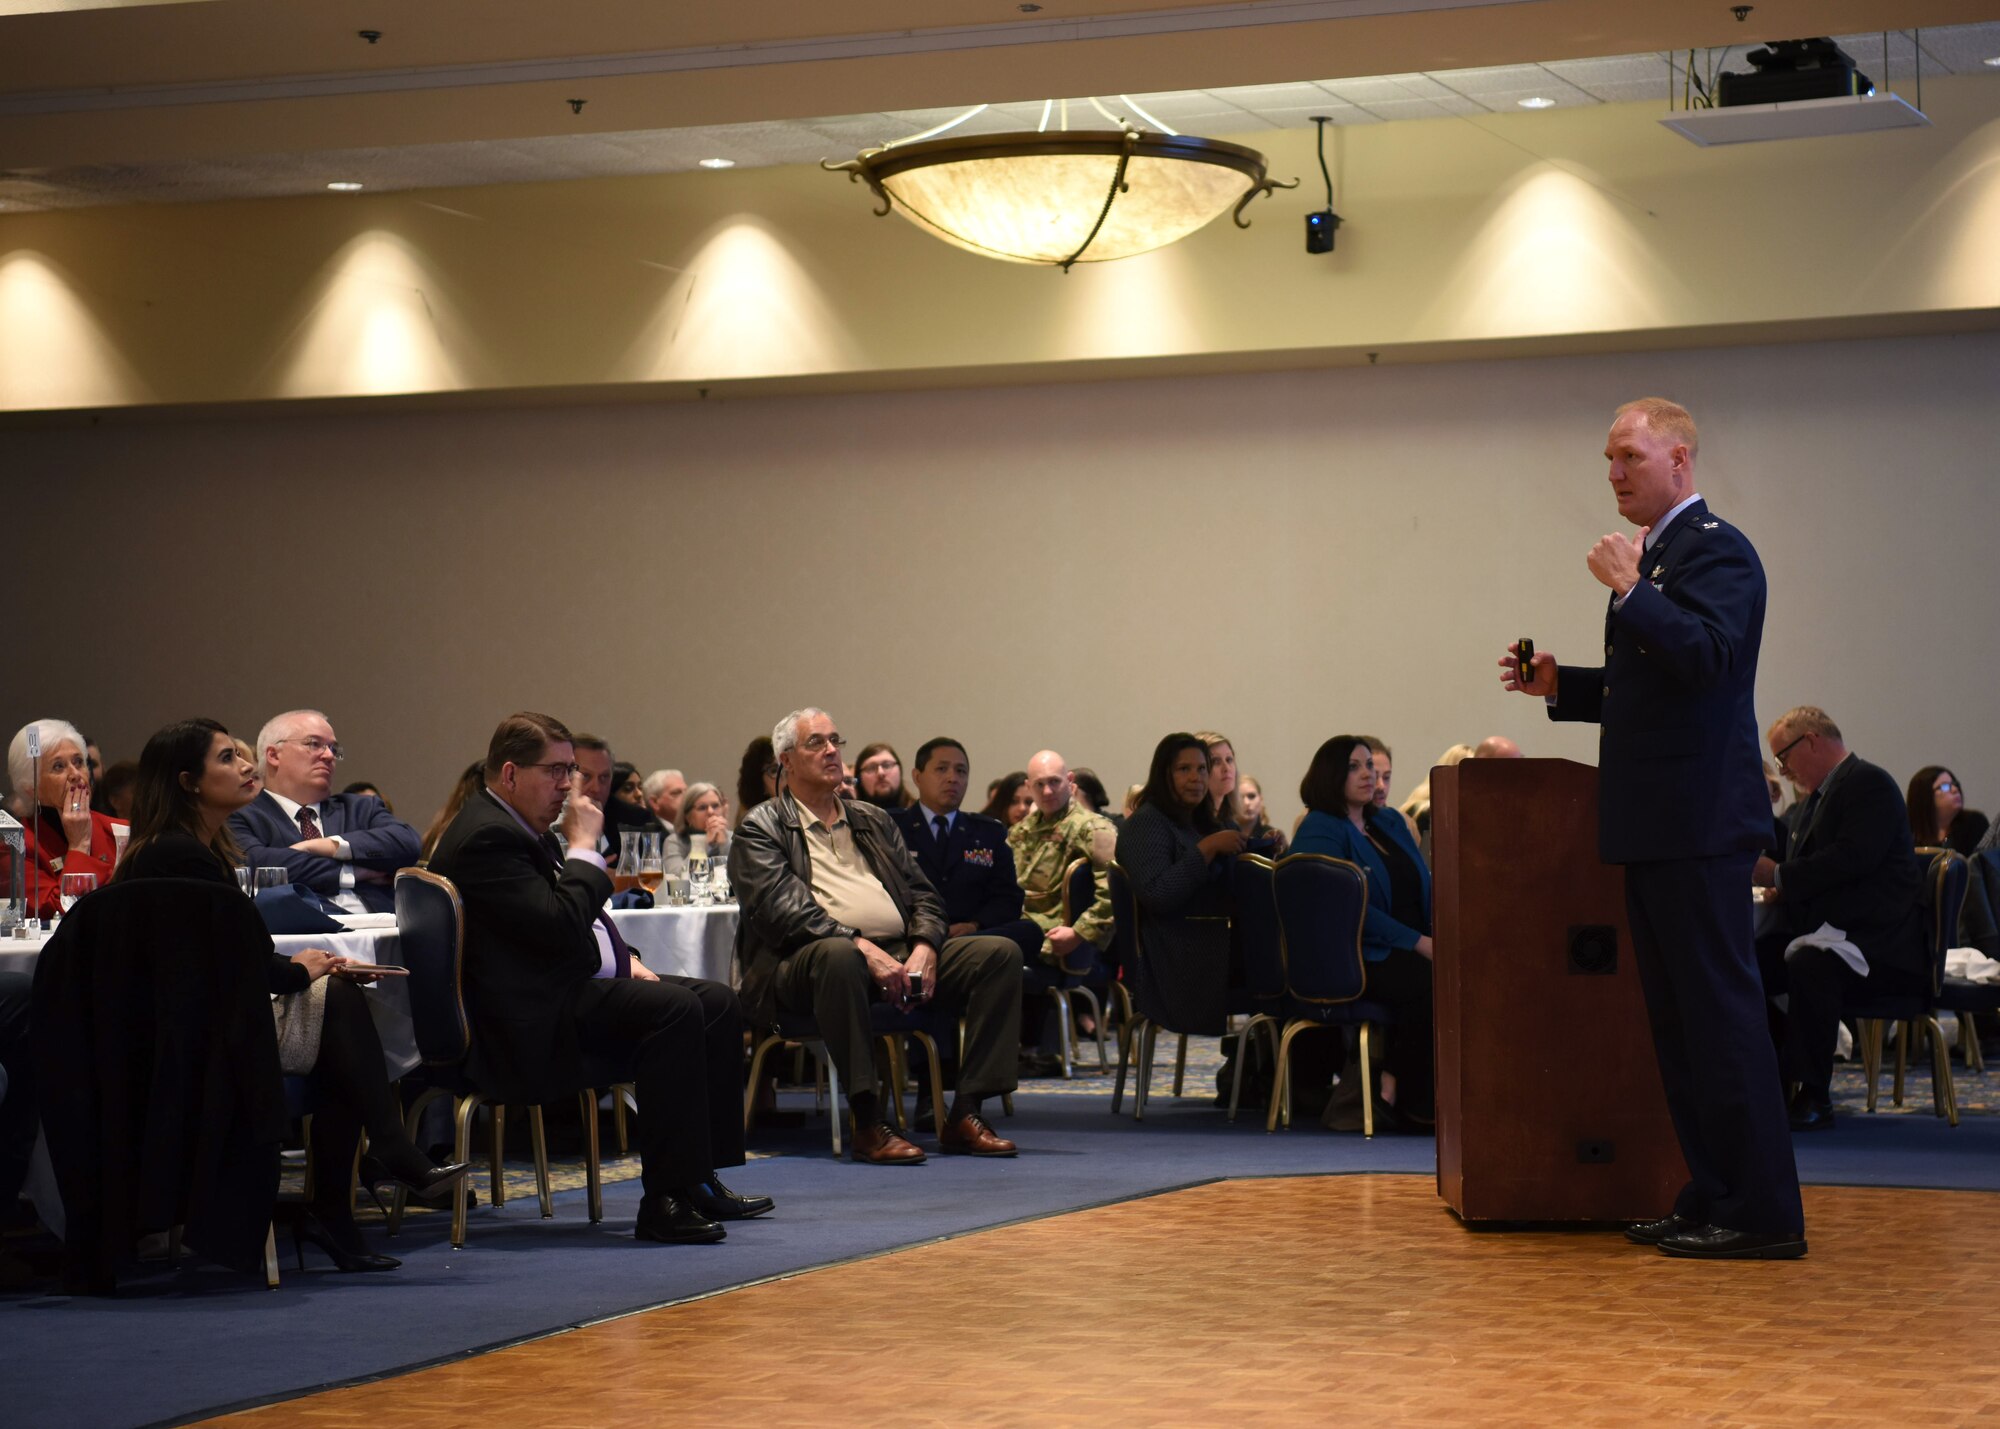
<point>652,871</point>
<point>625,876</point>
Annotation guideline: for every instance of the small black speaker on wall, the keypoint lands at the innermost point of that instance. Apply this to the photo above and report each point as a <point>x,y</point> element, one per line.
<point>1593,949</point>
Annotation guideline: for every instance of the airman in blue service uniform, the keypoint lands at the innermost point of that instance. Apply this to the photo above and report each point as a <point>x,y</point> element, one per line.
<point>1682,805</point>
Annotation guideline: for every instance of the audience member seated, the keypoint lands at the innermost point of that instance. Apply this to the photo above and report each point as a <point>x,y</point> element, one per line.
<point>663,789</point>
<point>1417,808</point>
<point>1850,875</point>
<point>1008,798</point>
<point>704,813</point>
<point>192,780</point>
<point>112,794</point>
<point>756,776</point>
<point>1496,746</point>
<point>66,837</point>
<point>628,789</point>
<point>550,981</point>
<point>1938,816</point>
<point>596,779</point>
<point>470,782</point>
<point>1342,821</point>
<point>1175,851</point>
<point>1258,835</point>
<point>1781,827</point>
<point>836,914</point>
<point>1132,794</point>
<point>17,1086</point>
<point>1384,759</point>
<point>964,855</point>
<point>1221,776</point>
<point>1091,790</point>
<point>1055,833</point>
<point>362,786</point>
<point>345,847</point>
<point>880,771</point>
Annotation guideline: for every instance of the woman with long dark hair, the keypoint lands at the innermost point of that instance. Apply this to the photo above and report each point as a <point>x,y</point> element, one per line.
<point>191,779</point>
<point>1009,799</point>
<point>1343,822</point>
<point>1938,816</point>
<point>1175,853</point>
<point>756,776</point>
<point>471,780</point>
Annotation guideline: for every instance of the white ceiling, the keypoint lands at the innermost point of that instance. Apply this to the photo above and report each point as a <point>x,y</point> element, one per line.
<point>1241,111</point>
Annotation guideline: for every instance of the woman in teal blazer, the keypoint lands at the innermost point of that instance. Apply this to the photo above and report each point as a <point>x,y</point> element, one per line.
<point>1343,822</point>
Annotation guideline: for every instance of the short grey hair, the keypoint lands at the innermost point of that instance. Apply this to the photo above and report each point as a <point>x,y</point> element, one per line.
<point>49,733</point>
<point>785,733</point>
<point>277,729</point>
<point>653,783</point>
<point>693,797</point>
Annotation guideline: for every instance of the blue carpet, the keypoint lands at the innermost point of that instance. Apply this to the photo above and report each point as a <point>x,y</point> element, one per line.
<point>178,1346</point>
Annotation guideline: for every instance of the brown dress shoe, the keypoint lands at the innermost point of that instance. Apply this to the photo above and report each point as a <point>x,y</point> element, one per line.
<point>879,1146</point>
<point>969,1135</point>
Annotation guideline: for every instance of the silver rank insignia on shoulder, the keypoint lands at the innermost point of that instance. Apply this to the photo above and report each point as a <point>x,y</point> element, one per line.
<point>1710,525</point>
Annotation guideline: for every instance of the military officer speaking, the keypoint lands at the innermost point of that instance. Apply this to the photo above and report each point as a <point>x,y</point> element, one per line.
<point>1682,805</point>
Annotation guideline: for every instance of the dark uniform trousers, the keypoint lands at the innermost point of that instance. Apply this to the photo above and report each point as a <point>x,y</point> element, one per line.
<point>1692,939</point>
<point>681,1042</point>
<point>978,978</point>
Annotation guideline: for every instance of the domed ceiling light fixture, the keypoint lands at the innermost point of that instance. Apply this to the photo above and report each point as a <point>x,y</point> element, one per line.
<point>1062,198</point>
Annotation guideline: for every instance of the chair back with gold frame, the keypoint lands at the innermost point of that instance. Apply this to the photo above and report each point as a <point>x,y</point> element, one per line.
<point>1944,889</point>
<point>1079,891</point>
<point>1321,902</point>
<point>1258,932</point>
<point>430,926</point>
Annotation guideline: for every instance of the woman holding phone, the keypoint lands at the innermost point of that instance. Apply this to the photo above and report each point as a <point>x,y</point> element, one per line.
<point>191,779</point>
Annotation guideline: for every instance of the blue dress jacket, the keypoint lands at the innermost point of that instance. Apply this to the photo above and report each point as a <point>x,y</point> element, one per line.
<point>1380,933</point>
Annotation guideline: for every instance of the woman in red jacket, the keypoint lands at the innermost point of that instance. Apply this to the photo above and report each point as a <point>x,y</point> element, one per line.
<point>67,837</point>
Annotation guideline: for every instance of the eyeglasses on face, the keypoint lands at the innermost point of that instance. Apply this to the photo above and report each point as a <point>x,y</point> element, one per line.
<point>880,765</point>
<point>314,746</point>
<point>559,770</point>
<point>1780,755</point>
<point>820,743</point>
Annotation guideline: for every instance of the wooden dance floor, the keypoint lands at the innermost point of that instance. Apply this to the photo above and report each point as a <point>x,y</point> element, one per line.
<point>1301,1300</point>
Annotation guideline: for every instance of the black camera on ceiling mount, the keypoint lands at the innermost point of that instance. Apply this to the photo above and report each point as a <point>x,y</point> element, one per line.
<point>1788,70</point>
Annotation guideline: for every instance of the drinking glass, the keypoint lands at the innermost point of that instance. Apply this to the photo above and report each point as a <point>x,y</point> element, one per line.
<point>268,877</point>
<point>652,868</point>
<point>698,882</point>
<point>243,876</point>
<point>625,876</point>
<point>73,887</point>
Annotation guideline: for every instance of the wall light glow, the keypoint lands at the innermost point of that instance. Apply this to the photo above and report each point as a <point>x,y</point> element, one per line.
<point>372,328</point>
<point>55,352</point>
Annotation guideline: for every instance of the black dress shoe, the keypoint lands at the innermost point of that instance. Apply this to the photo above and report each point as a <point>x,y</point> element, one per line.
<point>719,1203</point>
<point>1716,1243</point>
<point>1653,1232</point>
<point>672,1221</point>
<point>342,1244</point>
<point>1811,1114</point>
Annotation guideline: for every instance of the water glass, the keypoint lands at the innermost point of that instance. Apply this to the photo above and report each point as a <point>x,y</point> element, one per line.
<point>243,879</point>
<point>698,881</point>
<point>73,887</point>
<point>268,877</point>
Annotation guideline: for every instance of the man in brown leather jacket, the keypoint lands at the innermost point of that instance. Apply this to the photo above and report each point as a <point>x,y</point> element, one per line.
<point>836,914</point>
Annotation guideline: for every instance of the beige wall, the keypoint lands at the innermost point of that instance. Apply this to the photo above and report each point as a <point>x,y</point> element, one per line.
<point>1280,555</point>
<point>1578,228</point>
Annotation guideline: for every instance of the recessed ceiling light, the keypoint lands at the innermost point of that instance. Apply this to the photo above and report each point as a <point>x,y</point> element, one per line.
<point>718,163</point>
<point>1537,102</point>
<point>344,186</point>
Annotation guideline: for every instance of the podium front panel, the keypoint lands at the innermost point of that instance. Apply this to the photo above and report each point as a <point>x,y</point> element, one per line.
<point>1550,1107</point>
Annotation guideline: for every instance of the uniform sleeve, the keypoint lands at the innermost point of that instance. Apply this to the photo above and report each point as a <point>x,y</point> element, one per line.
<point>1702,631</point>
<point>1096,923</point>
<point>1579,693</point>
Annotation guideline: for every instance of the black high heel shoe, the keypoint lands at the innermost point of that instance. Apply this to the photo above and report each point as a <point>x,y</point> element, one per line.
<point>347,1260</point>
<point>432,1186</point>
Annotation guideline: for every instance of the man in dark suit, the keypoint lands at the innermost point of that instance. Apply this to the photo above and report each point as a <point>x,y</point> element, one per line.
<point>345,847</point>
<point>965,856</point>
<point>549,982</point>
<point>1849,863</point>
<point>1682,805</point>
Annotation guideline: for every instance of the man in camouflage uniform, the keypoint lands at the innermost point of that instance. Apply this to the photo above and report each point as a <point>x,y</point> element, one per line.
<point>1058,831</point>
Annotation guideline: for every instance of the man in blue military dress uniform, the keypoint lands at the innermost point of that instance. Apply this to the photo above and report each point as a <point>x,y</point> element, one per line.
<point>965,856</point>
<point>1682,805</point>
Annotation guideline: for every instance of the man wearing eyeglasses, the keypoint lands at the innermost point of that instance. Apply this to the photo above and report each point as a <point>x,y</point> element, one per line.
<point>1681,805</point>
<point>550,982</point>
<point>1847,891</point>
<point>345,847</point>
<point>836,915</point>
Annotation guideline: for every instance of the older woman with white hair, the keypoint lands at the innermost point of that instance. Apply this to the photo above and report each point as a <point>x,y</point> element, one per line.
<point>63,835</point>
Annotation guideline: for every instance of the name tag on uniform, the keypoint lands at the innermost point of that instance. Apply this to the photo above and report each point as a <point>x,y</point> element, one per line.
<point>982,857</point>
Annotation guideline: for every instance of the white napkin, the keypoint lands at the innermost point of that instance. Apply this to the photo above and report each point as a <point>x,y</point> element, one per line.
<point>1970,964</point>
<point>356,921</point>
<point>1834,941</point>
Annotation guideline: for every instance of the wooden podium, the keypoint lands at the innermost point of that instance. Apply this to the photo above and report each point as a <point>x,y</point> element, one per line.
<point>1549,1106</point>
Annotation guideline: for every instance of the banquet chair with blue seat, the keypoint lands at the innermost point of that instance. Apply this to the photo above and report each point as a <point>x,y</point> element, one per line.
<point>888,1024</point>
<point>1260,940</point>
<point>1979,931</point>
<point>1321,902</point>
<point>430,922</point>
<point>1942,893</point>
